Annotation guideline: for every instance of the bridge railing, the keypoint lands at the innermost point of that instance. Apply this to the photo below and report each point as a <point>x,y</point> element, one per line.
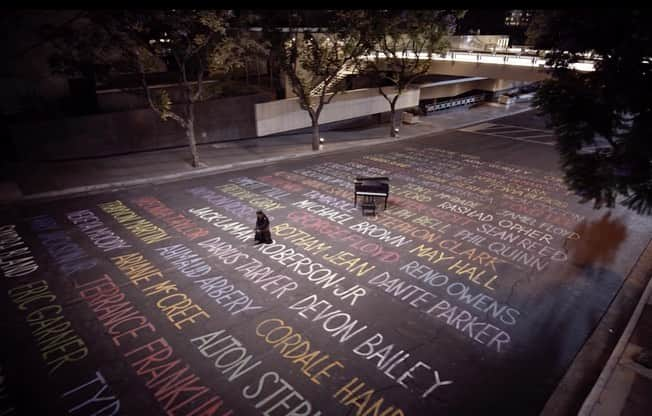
<point>498,59</point>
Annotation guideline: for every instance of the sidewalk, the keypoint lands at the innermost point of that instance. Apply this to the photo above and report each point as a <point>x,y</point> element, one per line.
<point>36,180</point>
<point>625,386</point>
<point>622,387</point>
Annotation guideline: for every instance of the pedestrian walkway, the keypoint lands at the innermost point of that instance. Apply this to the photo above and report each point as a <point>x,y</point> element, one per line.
<point>625,384</point>
<point>35,180</point>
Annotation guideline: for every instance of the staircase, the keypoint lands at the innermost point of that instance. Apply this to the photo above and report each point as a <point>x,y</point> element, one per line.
<point>347,69</point>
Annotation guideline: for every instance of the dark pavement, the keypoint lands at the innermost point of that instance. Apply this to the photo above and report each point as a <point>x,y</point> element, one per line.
<point>39,179</point>
<point>472,294</point>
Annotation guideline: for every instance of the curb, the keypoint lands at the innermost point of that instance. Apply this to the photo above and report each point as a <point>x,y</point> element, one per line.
<point>237,165</point>
<point>593,397</point>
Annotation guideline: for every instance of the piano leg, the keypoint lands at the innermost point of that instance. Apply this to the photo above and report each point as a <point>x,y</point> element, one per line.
<point>386,202</point>
<point>355,199</point>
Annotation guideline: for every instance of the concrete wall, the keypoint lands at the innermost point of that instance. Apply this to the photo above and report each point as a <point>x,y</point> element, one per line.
<point>130,131</point>
<point>113,100</point>
<point>489,70</point>
<point>218,120</point>
<point>110,100</point>
<point>36,94</point>
<point>285,115</point>
<point>453,89</point>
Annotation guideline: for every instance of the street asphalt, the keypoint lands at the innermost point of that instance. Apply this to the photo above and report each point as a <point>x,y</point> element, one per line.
<point>471,294</point>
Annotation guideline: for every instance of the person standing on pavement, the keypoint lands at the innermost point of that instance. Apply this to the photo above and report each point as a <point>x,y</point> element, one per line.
<point>263,234</point>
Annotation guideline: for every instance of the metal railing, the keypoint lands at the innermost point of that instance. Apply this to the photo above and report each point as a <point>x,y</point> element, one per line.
<point>347,69</point>
<point>496,58</point>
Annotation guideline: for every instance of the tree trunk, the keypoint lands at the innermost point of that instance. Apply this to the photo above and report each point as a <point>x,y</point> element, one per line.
<point>394,128</point>
<point>246,69</point>
<point>315,134</point>
<point>190,134</point>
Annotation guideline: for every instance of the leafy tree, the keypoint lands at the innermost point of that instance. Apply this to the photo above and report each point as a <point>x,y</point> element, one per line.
<point>402,43</point>
<point>315,61</point>
<point>269,20</point>
<point>603,119</point>
<point>192,43</point>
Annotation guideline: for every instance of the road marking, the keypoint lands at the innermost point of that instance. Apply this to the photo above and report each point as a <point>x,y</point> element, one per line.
<point>497,126</point>
<point>502,131</point>
<point>509,133</point>
<point>476,127</point>
<point>513,138</point>
<point>537,135</point>
<point>525,128</point>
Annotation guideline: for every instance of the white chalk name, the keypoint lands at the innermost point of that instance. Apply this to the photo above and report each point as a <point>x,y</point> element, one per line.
<point>16,259</point>
<point>226,295</point>
<point>388,359</point>
<point>229,357</point>
<point>184,260</point>
<point>253,270</point>
<point>272,395</point>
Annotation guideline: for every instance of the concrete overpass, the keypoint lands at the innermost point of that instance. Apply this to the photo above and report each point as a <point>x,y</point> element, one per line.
<point>504,66</point>
<point>483,71</point>
<point>497,66</point>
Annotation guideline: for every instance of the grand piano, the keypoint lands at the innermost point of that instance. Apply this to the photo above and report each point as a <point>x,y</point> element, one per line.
<point>370,187</point>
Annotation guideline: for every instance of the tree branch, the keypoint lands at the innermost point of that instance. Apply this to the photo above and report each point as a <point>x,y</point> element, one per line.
<point>148,94</point>
<point>330,98</point>
<point>177,118</point>
<point>162,113</point>
<point>395,99</point>
<point>380,89</point>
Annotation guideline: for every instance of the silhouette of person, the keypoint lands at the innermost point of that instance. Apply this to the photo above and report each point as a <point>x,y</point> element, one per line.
<point>263,234</point>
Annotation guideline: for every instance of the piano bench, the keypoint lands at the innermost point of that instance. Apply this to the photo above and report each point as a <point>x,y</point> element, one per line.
<point>369,205</point>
